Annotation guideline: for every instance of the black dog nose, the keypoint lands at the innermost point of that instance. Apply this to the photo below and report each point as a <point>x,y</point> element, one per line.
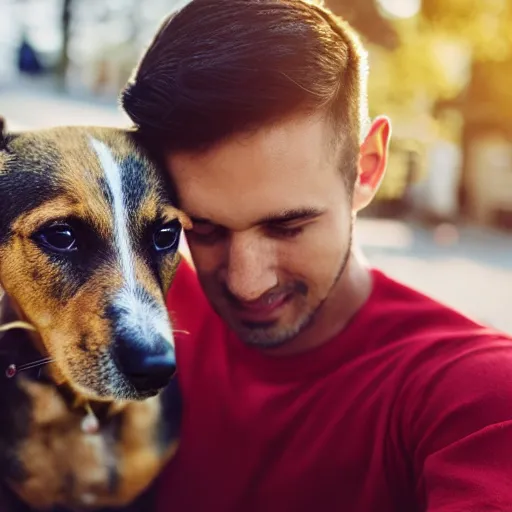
<point>148,367</point>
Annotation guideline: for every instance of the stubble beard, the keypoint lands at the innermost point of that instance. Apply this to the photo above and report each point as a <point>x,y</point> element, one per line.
<point>265,338</point>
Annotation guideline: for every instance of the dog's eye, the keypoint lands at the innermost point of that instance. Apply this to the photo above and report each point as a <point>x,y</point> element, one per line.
<point>166,237</point>
<point>58,238</point>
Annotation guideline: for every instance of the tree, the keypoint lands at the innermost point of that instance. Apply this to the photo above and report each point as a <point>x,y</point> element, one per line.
<point>485,25</point>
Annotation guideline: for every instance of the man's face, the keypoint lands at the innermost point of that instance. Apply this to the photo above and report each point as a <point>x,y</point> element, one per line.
<point>272,222</point>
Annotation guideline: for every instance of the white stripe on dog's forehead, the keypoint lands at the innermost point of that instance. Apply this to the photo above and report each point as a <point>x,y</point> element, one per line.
<point>129,299</point>
<point>114,181</point>
<point>148,320</point>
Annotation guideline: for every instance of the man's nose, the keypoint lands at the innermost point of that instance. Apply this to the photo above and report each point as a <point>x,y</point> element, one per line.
<point>251,267</point>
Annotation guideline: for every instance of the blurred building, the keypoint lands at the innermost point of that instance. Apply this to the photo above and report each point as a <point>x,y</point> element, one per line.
<point>486,108</point>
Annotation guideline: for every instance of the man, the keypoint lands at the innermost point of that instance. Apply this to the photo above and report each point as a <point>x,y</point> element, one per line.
<point>309,380</point>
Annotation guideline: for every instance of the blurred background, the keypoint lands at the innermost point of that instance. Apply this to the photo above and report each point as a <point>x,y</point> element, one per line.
<point>440,69</point>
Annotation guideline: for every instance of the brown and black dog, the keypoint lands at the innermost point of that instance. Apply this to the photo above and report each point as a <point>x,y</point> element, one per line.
<point>88,249</point>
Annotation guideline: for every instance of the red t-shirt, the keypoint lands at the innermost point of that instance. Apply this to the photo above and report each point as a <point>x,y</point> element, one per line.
<point>408,409</point>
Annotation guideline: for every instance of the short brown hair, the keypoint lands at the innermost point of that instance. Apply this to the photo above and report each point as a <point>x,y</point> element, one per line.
<point>219,67</point>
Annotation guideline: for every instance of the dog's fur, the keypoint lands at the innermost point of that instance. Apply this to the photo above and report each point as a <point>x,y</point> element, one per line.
<point>83,303</point>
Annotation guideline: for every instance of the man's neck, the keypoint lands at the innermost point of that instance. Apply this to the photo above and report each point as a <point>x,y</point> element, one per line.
<point>347,297</point>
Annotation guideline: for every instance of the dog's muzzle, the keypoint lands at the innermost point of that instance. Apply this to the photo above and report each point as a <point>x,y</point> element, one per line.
<point>142,343</point>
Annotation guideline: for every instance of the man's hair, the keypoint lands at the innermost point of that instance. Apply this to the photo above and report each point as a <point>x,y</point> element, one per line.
<point>220,67</point>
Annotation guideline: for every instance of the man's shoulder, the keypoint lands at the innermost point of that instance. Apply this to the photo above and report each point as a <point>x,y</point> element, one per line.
<point>448,361</point>
<point>398,307</point>
<point>456,387</point>
<point>451,398</point>
<point>431,337</point>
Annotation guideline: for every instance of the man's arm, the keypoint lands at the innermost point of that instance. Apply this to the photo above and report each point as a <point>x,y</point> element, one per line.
<point>460,430</point>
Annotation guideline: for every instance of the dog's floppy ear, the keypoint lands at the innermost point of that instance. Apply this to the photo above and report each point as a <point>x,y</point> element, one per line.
<point>3,133</point>
<point>6,136</point>
<point>3,142</point>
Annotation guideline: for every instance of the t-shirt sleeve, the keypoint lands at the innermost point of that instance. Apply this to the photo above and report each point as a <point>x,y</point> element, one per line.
<point>460,430</point>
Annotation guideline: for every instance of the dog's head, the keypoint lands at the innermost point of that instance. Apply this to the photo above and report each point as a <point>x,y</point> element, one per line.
<point>88,248</point>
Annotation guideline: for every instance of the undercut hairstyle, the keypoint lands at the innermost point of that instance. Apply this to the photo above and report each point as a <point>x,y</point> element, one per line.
<point>217,68</point>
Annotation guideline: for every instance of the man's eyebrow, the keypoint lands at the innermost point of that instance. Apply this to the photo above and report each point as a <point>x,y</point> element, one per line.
<point>290,215</point>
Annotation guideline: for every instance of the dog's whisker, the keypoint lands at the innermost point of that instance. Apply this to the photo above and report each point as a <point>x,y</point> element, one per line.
<point>180,332</point>
<point>13,370</point>
<point>35,364</point>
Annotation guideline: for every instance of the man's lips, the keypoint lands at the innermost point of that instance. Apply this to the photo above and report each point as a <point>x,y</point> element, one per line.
<point>262,309</point>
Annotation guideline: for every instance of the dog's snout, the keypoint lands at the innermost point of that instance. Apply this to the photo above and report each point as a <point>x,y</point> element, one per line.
<point>147,366</point>
<point>142,346</point>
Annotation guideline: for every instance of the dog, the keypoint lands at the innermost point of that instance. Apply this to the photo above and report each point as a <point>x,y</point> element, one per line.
<point>89,240</point>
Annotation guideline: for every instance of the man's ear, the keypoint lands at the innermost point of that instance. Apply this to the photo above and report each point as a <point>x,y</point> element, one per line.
<point>373,158</point>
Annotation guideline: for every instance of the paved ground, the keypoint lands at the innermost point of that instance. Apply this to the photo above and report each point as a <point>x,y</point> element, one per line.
<point>470,269</point>
<point>31,105</point>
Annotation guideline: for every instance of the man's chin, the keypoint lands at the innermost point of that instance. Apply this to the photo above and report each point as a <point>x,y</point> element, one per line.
<point>270,337</point>
<point>275,338</point>
<point>270,334</point>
